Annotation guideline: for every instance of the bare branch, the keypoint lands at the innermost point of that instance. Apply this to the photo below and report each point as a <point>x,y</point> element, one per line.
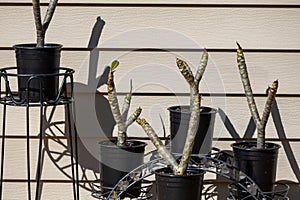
<point>133,117</point>
<point>38,23</point>
<point>266,113</point>
<point>49,14</point>
<point>113,101</point>
<point>190,139</point>
<point>186,72</point>
<point>247,86</point>
<point>121,119</point>
<point>162,150</point>
<point>201,68</point>
<point>194,108</point>
<point>270,99</point>
<point>260,122</point>
<point>126,104</point>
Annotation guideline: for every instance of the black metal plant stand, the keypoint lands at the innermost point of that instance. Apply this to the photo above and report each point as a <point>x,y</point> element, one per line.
<point>64,97</point>
<point>215,163</point>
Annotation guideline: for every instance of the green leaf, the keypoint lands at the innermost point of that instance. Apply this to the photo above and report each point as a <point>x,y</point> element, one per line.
<point>114,65</point>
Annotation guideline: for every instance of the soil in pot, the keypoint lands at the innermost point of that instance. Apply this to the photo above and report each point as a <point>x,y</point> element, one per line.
<point>259,164</point>
<point>116,162</point>
<point>179,187</point>
<point>179,123</point>
<point>32,61</point>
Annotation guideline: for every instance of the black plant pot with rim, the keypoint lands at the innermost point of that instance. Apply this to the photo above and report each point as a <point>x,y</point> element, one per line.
<point>117,161</point>
<point>259,164</point>
<point>35,62</point>
<point>179,187</point>
<point>179,123</point>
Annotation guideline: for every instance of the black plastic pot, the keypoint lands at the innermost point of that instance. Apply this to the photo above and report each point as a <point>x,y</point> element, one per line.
<point>259,164</point>
<point>179,187</point>
<point>32,61</point>
<point>179,123</point>
<point>116,162</point>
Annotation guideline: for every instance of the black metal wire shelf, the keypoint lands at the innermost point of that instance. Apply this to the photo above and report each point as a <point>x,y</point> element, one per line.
<point>218,162</point>
<point>9,95</point>
<point>35,93</point>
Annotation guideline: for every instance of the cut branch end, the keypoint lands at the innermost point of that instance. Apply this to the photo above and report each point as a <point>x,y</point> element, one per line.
<point>239,46</point>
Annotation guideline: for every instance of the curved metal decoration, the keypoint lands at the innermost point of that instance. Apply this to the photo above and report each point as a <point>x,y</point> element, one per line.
<point>64,96</point>
<point>216,163</point>
<point>11,98</point>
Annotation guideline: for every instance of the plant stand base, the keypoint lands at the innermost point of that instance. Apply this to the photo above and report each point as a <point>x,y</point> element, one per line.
<point>99,194</point>
<point>280,192</point>
<point>218,162</point>
<point>65,98</point>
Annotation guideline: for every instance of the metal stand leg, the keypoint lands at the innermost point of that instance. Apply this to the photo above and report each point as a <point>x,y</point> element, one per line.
<point>37,194</point>
<point>28,151</point>
<point>62,98</point>
<point>76,142</point>
<point>74,179</point>
<point>2,149</point>
<point>76,160</point>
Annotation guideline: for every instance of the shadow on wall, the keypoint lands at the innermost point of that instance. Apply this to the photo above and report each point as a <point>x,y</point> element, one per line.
<point>92,111</point>
<point>294,187</point>
<point>92,115</point>
<point>94,120</point>
<point>279,129</point>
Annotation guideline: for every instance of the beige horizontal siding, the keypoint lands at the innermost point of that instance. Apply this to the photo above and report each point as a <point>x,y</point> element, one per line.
<point>285,2</point>
<point>93,113</point>
<point>54,171</point>
<point>162,30</point>
<point>221,76</point>
<point>139,28</point>
<point>57,191</point>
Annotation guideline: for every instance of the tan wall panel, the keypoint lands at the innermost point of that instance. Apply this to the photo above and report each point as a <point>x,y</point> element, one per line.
<point>160,27</point>
<point>16,119</point>
<point>13,170</point>
<point>94,117</point>
<point>56,160</point>
<point>157,72</point>
<point>56,168</point>
<point>235,108</point>
<point>57,191</point>
<point>146,27</point>
<point>293,2</point>
<point>93,121</point>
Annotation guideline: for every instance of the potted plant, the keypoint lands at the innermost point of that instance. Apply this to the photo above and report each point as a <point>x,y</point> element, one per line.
<point>179,123</point>
<point>179,181</point>
<point>258,160</point>
<point>39,58</point>
<point>118,156</point>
